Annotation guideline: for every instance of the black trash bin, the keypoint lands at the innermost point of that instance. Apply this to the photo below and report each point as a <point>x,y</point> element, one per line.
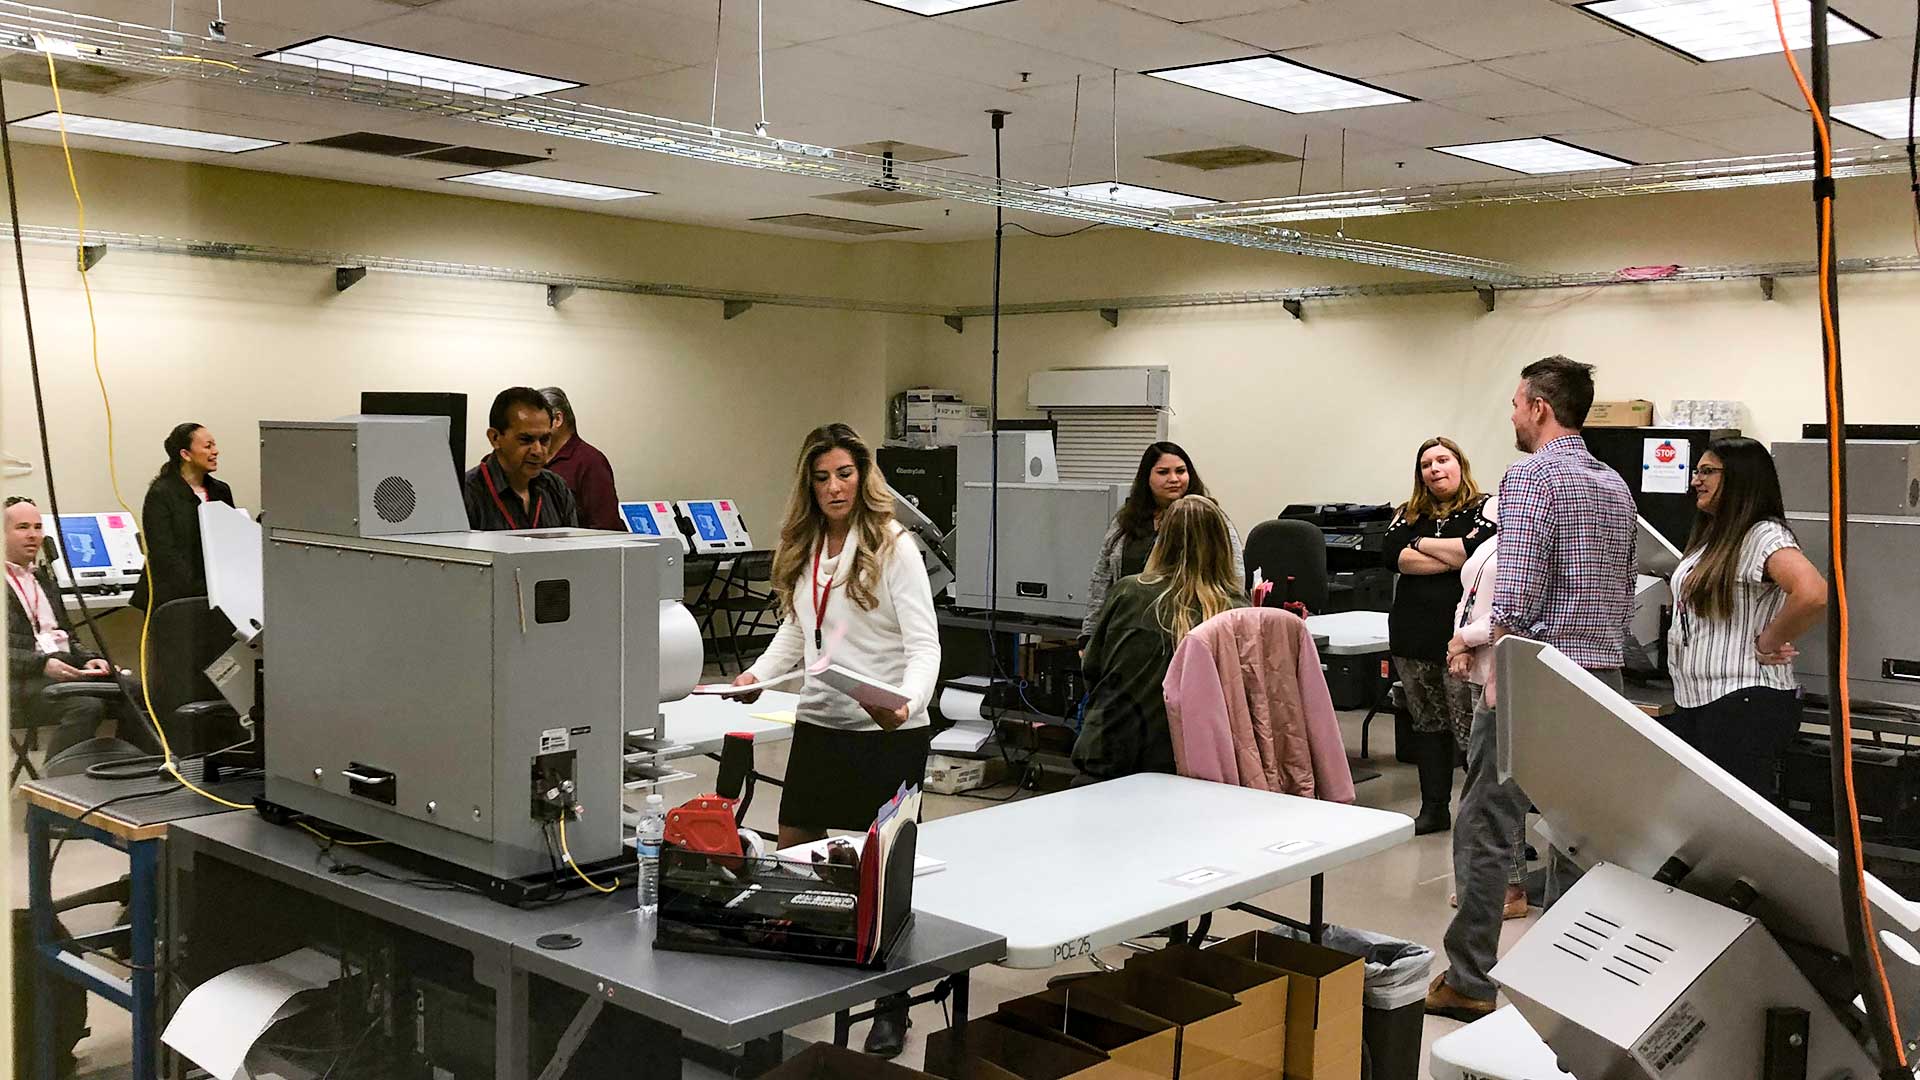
<point>1394,997</point>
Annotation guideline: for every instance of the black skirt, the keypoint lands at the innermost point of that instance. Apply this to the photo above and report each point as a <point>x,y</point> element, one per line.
<point>839,779</point>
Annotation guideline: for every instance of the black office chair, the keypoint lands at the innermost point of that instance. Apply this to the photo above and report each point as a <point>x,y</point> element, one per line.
<point>1293,555</point>
<point>24,734</point>
<point>185,637</point>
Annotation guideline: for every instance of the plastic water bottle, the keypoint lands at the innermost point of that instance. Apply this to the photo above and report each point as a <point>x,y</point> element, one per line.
<point>647,839</point>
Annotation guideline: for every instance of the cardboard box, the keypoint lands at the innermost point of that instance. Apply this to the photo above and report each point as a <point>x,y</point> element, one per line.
<point>1211,1027</point>
<point>994,1051</point>
<point>953,775</point>
<point>1136,1045</point>
<point>1323,1002</point>
<point>1635,413</point>
<point>824,1061</point>
<point>1256,1032</point>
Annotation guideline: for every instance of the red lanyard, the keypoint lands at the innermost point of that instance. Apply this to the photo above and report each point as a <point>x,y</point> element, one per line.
<point>30,601</point>
<point>487,475</point>
<point>821,597</point>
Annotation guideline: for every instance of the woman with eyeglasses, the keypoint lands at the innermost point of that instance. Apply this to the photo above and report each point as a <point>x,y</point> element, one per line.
<point>1742,594</point>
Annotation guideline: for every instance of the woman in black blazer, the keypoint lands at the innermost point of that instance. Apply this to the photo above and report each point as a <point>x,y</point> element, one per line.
<point>171,517</point>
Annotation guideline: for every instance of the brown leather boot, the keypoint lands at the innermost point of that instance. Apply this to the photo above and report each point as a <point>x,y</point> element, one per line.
<point>1444,1000</point>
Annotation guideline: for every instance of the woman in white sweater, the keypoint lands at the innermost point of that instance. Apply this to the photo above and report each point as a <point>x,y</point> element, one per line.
<point>853,591</point>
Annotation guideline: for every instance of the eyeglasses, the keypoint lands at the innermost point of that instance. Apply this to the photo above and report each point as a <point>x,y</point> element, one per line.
<point>1708,470</point>
<point>16,500</point>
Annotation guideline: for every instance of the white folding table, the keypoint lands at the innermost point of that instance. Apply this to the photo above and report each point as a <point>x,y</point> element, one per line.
<point>701,722</point>
<point>1355,633</point>
<point>1351,633</point>
<point>1501,1046</point>
<point>1064,874</point>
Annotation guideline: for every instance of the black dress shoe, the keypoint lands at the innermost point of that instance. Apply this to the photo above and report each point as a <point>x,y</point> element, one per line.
<point>1433,818</point>
<point>888,1035</point>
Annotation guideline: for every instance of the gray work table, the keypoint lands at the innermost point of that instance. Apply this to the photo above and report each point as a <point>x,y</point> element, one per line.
<point>719,1001</point>
<point>728,1000</point>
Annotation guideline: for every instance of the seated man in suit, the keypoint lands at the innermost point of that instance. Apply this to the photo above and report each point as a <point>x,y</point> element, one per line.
<point>40,646</point>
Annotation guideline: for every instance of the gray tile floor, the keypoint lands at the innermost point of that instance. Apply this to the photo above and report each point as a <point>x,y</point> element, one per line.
<point>1402,892</point>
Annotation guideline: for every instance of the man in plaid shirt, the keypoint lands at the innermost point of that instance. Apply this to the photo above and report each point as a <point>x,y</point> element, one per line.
<point>1565,577</point>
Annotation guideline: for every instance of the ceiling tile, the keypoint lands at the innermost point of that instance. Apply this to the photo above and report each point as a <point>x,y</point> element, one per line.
<point>1383,54</point>
<point>1624,61</point>
<point>427,32</point>
<point>1191,11</point>
<point>1423,123</point>
<point>1782,134</point>
<point>1320,21</point>
<point>1527,28</point>
<point>1102,32</point>
<point>630,30</point>
<point>1650,145</point>
<point>939,47</point>
<point>1528,102</point>
<point>1455,81</point>
<point>1581,119</point>
<point>1727,105</point>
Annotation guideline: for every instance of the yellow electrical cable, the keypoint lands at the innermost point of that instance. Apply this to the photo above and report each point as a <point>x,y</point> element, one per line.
<point>168,764</point>
<point>568,856</point>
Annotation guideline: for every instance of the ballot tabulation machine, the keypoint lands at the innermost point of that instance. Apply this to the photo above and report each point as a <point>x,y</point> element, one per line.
<point>1706,936</point>
<point>453,692</point>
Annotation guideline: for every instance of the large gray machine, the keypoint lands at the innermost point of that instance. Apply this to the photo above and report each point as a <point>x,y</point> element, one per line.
<point>1049,532</point>
<point>1883,550</point>
<point>451,691</point>
<point>1708,918</point>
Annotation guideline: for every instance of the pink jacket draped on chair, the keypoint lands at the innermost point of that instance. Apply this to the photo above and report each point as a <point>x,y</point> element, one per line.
<point>1247,704</point>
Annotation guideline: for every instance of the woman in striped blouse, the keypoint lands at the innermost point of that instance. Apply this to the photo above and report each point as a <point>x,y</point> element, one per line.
<point>1742,594</point>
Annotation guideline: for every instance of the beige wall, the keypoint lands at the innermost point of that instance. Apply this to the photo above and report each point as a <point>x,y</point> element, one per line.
<point>684,404</point>
<point>1275,410</point>
<point>1331,407</point>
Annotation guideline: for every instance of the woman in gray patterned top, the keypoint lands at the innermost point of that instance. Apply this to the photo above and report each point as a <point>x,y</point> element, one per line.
<point>1742,594</point>
<point>1165,474</point>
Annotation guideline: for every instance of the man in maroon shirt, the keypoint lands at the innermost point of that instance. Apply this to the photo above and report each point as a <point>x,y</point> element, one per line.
<point>586,470</point>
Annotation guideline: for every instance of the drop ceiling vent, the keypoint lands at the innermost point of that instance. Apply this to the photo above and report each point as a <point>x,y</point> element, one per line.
<point>479,157</point>
<point>902,151</point>
<point>372,142</point>
<point>31,67</point>
<point>876,196</point>
<point>825,223</point>
<point>1224,157</point>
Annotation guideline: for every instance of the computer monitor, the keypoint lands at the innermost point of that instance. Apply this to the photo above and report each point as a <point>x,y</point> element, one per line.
<point>408,403</point>
<point>98,552</point>
<point>652,518</point>
<point>713,526</point>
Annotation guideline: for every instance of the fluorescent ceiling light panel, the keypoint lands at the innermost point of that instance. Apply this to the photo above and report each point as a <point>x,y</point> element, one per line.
<point>100,127</point>
<point>1280,84</point>
<point>1887,119</point>
<point>1723,29</point>
<point>1129,195</point>
<point>936,7</point>
<point>1535,157</point>
<point>547,185</point>
<point>348,57</point>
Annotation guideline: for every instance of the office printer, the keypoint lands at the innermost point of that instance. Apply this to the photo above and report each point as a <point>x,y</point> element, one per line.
<point>1356,533</point>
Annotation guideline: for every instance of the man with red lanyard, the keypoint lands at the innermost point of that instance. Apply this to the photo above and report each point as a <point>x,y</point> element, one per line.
<point>511,487</point>
<point>40,648</point>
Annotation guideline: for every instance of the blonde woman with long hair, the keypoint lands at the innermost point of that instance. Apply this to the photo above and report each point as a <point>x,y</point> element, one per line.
<point>851,587</point>
<point>1189,578</point>
<point>1434,532</point>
